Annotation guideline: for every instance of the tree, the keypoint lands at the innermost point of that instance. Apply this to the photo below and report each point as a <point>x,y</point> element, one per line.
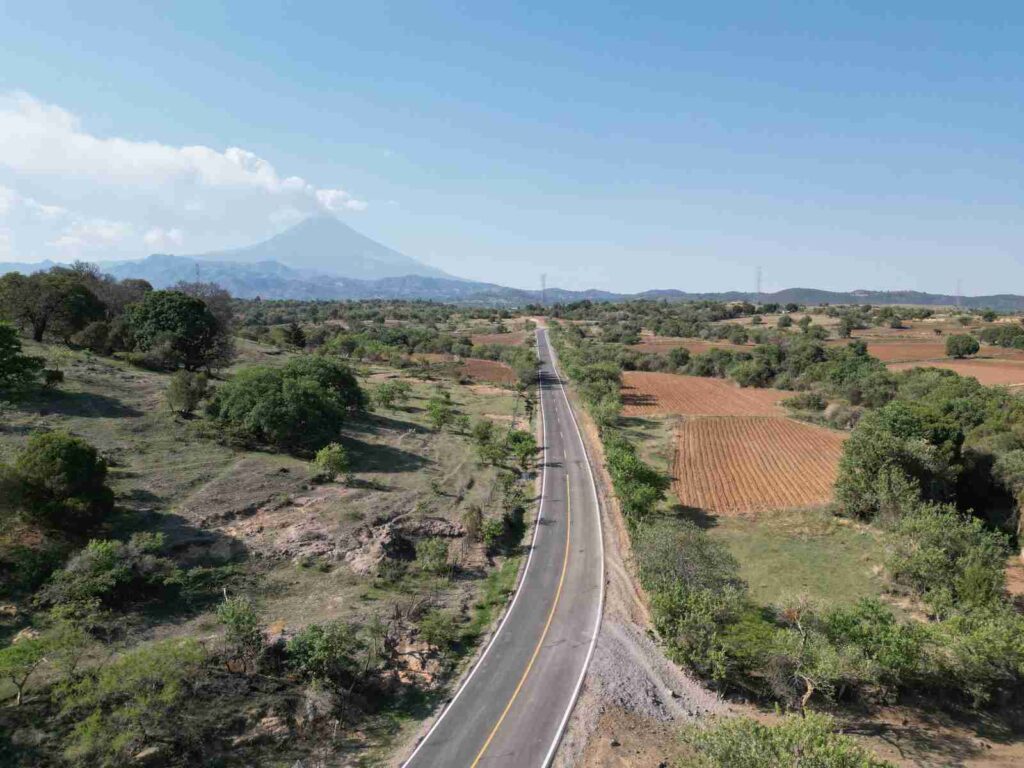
<point>329,653</point>
<point>523,447</point>
<point>393,393</point>
<point>331,460</point>
<point>679,357</point>
<point>20,660</point>
<point>179,328</point>
<point>440,410</point>
<point>185,391</point>
<point>300,406</point>
<point>219,302</point>
<point>64,478</point>
<point>432,556</point>
<point>57,302</point>
<point>294,335</point>
<point>785,321</point>
<point>845,328</point>
<point>961,345</point>
<point>17,370</point>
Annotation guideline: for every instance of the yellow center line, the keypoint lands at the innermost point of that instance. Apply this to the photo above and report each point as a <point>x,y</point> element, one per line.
<point>544,634</point>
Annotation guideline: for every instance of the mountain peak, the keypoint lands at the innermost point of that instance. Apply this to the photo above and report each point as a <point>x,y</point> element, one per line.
<point>325,244</point>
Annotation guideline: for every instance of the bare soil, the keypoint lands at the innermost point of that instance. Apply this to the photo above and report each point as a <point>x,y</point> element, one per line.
<point>1009,373</point>
<point>652,394</point>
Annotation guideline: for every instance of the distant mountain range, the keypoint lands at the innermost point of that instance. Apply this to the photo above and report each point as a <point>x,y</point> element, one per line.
<point>323,258</point>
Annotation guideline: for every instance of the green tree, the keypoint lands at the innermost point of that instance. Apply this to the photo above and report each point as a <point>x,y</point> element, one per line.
<point>440,409</point>
<point>330,461</point>
<point>523,447</point>
<point>55,302</point>
<point>393,393</point>
<point>186,391</point>
<point>17,370</point>
<point>332,653</point>
<point>180,328</point>
<point>63,478</point>
<point>432,556</point>
<point>961,345</point>
<point>19,661</point>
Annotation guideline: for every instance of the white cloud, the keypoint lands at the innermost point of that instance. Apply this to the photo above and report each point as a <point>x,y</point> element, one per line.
<point>65,192</point>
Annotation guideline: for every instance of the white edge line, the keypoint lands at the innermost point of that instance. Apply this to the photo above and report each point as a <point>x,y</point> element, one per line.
<point>600,603</point>
<point>522,580</point>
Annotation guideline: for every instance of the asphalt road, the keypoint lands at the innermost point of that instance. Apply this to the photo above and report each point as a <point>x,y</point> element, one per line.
<point>512,708</point>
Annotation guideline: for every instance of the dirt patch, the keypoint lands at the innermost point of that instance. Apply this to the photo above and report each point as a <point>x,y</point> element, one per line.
<point>654,394</point>
<point>513,339</point>
<point>473,368</point>
<point>742,465</point>
<point>661,345</point>
<point>1008,373</point>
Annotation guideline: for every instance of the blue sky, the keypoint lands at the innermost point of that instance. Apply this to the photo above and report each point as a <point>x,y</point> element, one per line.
<point>842,146</point>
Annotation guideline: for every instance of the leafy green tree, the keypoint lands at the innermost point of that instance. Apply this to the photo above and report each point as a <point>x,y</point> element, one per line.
<point>331,460</point>
<point>439,629</point>
<point>961,345</point>
<point>393,393</point>
<point>186,391</point>
<point>679,357</point>
<point>180,327</point>
<point>300,406</point>
<point>55,302</point>
<point>20,660</point>
<point>523,447</point>
<point>784,321</point>
<point>63,478</point>
<point>440,409</point>
<point>432,556</point>
<point>17,370</point>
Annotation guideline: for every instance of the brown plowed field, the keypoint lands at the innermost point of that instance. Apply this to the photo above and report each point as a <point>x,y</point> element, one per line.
<point>476,369</point>
<point>901,350</point>
<point>513,339</point>
<point>662,344</point>
<point>651,394</point>
<point>743,465</point>
<point>988,372</point>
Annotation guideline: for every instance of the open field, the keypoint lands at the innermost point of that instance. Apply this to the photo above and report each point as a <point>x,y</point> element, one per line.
<point>491,371</point>
<point>740,465</point>
<point>648,394</point>
<point>990,372</point>
<point>512,339</point>
<point>663,344</point>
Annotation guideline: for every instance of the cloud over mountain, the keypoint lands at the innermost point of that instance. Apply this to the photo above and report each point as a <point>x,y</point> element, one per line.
<point>67,193</point>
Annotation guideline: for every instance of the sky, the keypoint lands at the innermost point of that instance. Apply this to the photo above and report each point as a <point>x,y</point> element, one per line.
<point>621,146</point>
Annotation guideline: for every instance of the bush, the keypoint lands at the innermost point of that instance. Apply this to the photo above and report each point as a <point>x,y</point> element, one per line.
<point>95,337</point>
<point>185,391</point>
<point>961,345</point>
<point>300,406</point>
<point>330,461</point>
<point>493,533</point>
<point>980,653</point>
<point>19,661</point>
<point>432,556</point>
<point>638,486</point>
<point>113,574</point>
<point>328,653</point>
<point>806,401</point>
<point>392,394</point>
<point>794,742</point>
<point>440,630</point>
<point>243,635</point>
<point>135,700</point>
<point>63,479</point>
<point>950,559</point>
<point>52,377</point>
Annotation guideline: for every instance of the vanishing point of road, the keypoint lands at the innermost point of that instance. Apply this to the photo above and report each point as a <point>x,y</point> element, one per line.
<point>512,708</point>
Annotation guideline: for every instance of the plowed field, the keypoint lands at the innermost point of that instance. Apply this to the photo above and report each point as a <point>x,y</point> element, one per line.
<point>743,465</point>
<point>650,394</point>
<point>512,339</point>
<point>987,372</point>
<point>476,369</point>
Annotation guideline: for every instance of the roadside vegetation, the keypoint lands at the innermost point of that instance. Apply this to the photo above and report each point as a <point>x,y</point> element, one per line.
<point>227,537</point>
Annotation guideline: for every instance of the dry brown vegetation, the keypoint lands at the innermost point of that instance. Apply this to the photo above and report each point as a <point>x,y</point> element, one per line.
<point>512,339</point>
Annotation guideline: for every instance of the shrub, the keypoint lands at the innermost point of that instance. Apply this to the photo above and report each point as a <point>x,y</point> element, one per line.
<point>794,742</point>
<point>806,401</point>
<point>63,478</point>
<point>52,377</point>
<point>243,635</point>
<point>95,337</point>
<point>330,461</point>
<point>980,652</point>
<point>493,533</point>
<point>113,574</point>
<point>785,321</point>
<point>19,661</point>
<point>137,699</point>
<point>679,357</point>
<point>185,391</point>
<point>440,410</point>
<point>523,447</point>
<point>638,486</point>
<point>961,345</point>
<point>328,653</point>
<point>439,629</point>
<point>432,556</point>
<point>950,559</point>
<point>392,394</point>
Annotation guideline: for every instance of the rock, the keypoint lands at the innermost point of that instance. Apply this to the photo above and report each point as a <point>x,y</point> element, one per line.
<point>9,610</point>
<point>376,544</point>
<point>26,634</point>
<point>613,742</point>
<point>305,539</point>
<point>269,728</point>
<point>147,754</point>
<point>417,527</point>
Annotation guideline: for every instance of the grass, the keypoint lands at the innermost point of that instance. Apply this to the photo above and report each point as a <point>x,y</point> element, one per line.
<point>811,553</point>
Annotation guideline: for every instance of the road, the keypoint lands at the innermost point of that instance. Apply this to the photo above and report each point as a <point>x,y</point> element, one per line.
<point>513,706</point>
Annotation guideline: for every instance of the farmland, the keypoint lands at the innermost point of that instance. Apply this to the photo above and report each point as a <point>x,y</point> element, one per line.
<point>989,372</point>
<point>651,394</point>
<point>748,464</point>
<point>490,371</point>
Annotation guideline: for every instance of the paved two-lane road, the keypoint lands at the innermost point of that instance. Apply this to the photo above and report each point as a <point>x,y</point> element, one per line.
<point>513,707</point>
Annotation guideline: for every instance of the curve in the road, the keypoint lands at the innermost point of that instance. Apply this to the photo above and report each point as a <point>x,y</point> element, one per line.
<point>513,706</point>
